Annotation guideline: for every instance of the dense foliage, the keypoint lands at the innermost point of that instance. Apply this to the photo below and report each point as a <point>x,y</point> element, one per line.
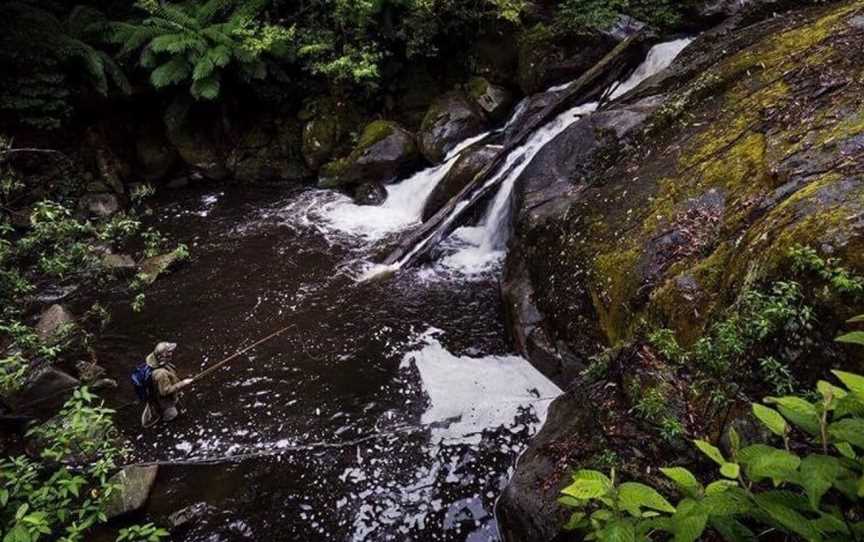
<point>809,487</point>
<point>57,58</point>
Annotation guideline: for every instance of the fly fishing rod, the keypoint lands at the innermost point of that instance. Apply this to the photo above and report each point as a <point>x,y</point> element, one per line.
<point>225,361</point>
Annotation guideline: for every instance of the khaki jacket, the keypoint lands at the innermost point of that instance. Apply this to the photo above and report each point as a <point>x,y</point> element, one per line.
<point>163,406</point>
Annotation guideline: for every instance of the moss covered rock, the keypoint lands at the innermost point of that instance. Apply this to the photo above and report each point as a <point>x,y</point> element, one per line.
<point>467,166</point>
<point>451,119</point>
<point>495,101</point>
<point>268,148</point>
<point>753,144</point>
<point>384,152</point>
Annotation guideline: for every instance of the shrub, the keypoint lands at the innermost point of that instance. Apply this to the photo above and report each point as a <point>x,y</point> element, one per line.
<point>810,487</point>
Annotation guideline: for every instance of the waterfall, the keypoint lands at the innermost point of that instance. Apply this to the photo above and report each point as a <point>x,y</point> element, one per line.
<point>404,205</point>
<point>484,245</point>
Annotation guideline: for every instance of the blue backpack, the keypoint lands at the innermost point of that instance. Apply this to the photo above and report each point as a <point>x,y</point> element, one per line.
<point>142,380</point>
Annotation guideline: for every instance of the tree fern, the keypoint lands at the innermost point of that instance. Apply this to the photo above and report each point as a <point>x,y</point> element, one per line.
<point>196,44</point>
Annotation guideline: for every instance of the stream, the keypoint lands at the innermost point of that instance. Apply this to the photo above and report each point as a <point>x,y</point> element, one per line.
<point>393,409</point>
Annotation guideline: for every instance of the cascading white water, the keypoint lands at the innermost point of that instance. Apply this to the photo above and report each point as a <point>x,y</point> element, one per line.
<point>484,245</point>
<point>403,207</point>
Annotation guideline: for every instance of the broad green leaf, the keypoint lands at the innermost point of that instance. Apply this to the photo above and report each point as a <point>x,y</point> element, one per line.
<point>618,531</point>
<point>577,519</point>
<point>849,404</point>
<point>776,505</point>
<point>18,533</point>
<point>720,486</point>
<point>572,502</point>
<point>771,419</point>
<point>830,523</point>
<point>855,337</point>
<point>633,496</point>
<point>853,382</point>
<point>861,486</point>
<point>849,430</point>
<point>711,451</point>
<point>817,475</point>
<point>585,489</point>
<point>684,479</point>
<point>730,470</point>
<point>799,412</point>
<point>858,319</point>
<point>779,465</point>
<point>727,503</point>
<point>846,450</point>
<point>689,522</point>
<point>732,530</point>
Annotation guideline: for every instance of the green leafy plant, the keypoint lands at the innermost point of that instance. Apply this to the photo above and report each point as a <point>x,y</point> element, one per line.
<point>45,56</point>
<point>195,44</point>
<point>810,487</point>
<point>142,533</point>
<point>64,495</point>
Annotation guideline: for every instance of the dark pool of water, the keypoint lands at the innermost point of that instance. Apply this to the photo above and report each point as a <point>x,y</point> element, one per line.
<point>328,432</point>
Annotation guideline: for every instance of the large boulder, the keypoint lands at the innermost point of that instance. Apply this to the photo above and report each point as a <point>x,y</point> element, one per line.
<point>463,171</point>
<point>100,205</point>
<point>268,149</point>
<point>547,58</point>
<point>659,213</point>
<point>134,486</point>
<point>451,119</point>
<point>200,142</point>
<point>495,101</point>
<point>45,387</point>
<point>385,152</point>
<point>155,155</point>
<point>54,322</point>
<point>321,136</point>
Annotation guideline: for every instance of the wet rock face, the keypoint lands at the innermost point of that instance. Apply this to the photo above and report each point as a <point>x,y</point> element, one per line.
<point>134,484</point>
<point>495,101</point>
<point>54,322</point>
<point>384,152</point>
<point>467,166</point>
<point>370,193</point>
<point>451,119</point>
<point>268,149</point>
<point>100,205</point>
<point>156,156</point>
<point>657,213</point>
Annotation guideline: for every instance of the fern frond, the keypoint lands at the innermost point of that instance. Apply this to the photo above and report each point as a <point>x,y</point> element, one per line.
<point>207,12</point>
<point>172,72</point>
<point>213,59</point>
<point>86,21</point>
<point>207,88</point>
<point>116,73</point>
<point>132,37</point>
<point>178,43</point>
<point>248,10</point>
<point>174,15</point>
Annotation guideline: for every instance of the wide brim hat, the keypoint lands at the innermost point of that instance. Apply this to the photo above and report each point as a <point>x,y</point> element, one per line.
<point>161,348</point>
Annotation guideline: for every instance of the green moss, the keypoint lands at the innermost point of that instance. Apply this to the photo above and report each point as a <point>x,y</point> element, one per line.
<point>373,133</point>
<point>613,286</point>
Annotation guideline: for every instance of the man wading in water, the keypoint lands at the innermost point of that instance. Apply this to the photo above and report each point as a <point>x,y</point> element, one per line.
<point>163,386</point>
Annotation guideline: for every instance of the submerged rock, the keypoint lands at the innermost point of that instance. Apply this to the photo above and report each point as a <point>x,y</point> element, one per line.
<point>384,152</point>
<point>451,119</point>
<point>370,193</point>
<point>467,166</point>
<point>152,268</point>
<point>134,484</point>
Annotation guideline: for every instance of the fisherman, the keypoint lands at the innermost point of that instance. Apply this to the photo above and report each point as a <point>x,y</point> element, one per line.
<point>164,385</point>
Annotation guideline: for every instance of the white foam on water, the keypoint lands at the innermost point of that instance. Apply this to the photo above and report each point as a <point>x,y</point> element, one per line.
<point>469,395</point>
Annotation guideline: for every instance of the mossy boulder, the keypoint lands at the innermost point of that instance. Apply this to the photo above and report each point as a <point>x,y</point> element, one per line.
<point>750,145</point>
<point>268,148</point>
<point>200,142</point>
<point>320,137</point>
<point>384,153</point>
<point>547,58</point>
<point>495,101</point>
<point>451,119</point>
<point>463,171</point>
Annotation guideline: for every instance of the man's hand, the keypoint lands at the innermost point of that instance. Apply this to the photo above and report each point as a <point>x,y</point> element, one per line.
<point>185,382</point>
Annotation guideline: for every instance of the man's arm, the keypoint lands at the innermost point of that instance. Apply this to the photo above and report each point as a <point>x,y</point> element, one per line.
<point>167,385</point>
